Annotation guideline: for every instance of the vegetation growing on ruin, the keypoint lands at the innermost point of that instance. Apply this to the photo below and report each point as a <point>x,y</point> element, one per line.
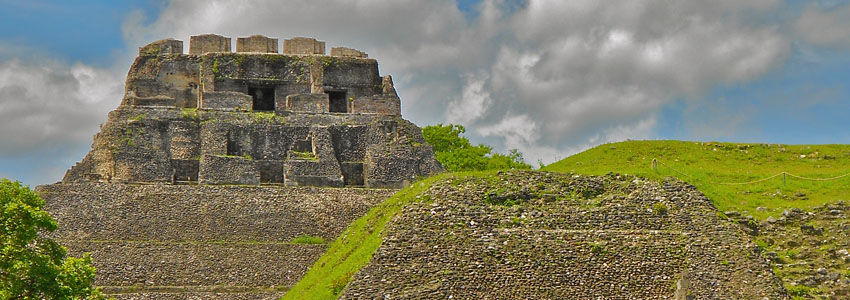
<point>308,155</point>
<point>723,171</point>
<point>307,239</point>
<point>246,156</point>
<point>190,113</point>
<point>267,117</point>
<point>327,278</point>
<point>456,153</point>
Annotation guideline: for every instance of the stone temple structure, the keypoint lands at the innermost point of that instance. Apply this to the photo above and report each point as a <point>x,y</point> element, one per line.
<point>200,184</point>
<point>256,117</point>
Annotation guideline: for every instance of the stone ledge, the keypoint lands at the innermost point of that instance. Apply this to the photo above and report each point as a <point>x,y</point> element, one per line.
<point>203,264</point>
<point>174,213</point>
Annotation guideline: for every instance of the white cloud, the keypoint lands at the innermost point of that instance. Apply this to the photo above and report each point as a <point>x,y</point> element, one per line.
<point>472,104</point>
<point>48,104</point>
<point>825,26</point>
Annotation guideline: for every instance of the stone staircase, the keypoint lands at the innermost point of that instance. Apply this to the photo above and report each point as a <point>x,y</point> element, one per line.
<point>200,242</point>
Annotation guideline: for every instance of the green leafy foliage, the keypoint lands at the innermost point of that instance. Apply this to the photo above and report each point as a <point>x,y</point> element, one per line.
<point>31,266</point>
<point>456,153</point>
<point>308,240</point>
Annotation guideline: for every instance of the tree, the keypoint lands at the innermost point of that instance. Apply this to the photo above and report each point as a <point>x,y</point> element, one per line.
<point>456,153</point>
<point>31,266</point>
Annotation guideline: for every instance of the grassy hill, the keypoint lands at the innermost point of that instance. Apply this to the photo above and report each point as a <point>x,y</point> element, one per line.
<point>714,168</point>
<point>740,177</point>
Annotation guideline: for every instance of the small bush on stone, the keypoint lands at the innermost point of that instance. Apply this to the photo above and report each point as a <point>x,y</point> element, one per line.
<point>801,291</point>
<point>308,240</point>
<point>659,208</point>
<point>189,113</point>
<point>308,155</point>
<point>597,248</point>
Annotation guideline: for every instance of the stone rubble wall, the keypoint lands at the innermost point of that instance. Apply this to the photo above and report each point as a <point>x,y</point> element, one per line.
<point>537,235</point>
<point>176,213</point>
<point>200,241</point>
<point>169,145</point>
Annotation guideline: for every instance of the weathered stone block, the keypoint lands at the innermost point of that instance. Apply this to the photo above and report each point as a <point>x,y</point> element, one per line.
<point>382,105</point>
<point>387,86</point>
<point>229,101</point>
<point>256,43</point>
<point>185,140</point>
<point>385,170</point>
<point>312,103</point>
<point>152,101</point>
<point>348,52</point>
<point>358,77</point>
<point>162,47</point>
<point>228,170</point>
<point>302,45</point>
<point>315,163</point>
<point>200,44</point>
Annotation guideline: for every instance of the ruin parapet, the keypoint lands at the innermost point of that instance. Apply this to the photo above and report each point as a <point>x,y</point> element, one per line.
<point>205,43</point>
<point>256,43</point>
<point>303,45</point>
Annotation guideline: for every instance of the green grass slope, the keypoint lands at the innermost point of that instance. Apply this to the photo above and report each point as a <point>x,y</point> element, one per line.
<point>354,247</point>
<point>725,172</point>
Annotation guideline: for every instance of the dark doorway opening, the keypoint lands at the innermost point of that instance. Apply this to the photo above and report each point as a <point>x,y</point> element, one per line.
<point>263,98</point>
<point>337,102</point>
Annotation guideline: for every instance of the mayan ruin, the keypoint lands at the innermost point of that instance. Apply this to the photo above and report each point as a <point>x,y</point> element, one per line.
<point>256,116</point>
<point>216,160</point>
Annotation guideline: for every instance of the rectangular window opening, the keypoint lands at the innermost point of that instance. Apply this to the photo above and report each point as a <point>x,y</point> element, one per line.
<point>263,98</point>
<point>337,102</point>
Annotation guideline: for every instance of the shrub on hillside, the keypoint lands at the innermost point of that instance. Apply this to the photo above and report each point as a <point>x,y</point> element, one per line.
<point>456,153</point>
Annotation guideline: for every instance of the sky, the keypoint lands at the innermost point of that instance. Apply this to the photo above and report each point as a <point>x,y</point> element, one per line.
<point>549,78</point>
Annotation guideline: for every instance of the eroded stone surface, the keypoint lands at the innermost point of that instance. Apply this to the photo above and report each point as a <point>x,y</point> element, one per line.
<point>200,241</point>
<point>535,235</point>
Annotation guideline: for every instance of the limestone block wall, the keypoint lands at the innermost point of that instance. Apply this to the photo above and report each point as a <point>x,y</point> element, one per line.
<point>205,43</point>
<point>256,43</point>
<point>358,77</point>
<point>310,103</point>
<point>343,51</point>
<point>200,241</point>
<point>228,170</point>
<point>226,101</point>
<point>161,47</point>
<point>170,145</point>
<point>302,45</point>
<point>382,105</point>
<point>315,164</point>
<point>171,80</point>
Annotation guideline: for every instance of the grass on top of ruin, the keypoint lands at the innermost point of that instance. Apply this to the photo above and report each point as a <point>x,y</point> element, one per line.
<point>719,169</point>
<point>353,249</point>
